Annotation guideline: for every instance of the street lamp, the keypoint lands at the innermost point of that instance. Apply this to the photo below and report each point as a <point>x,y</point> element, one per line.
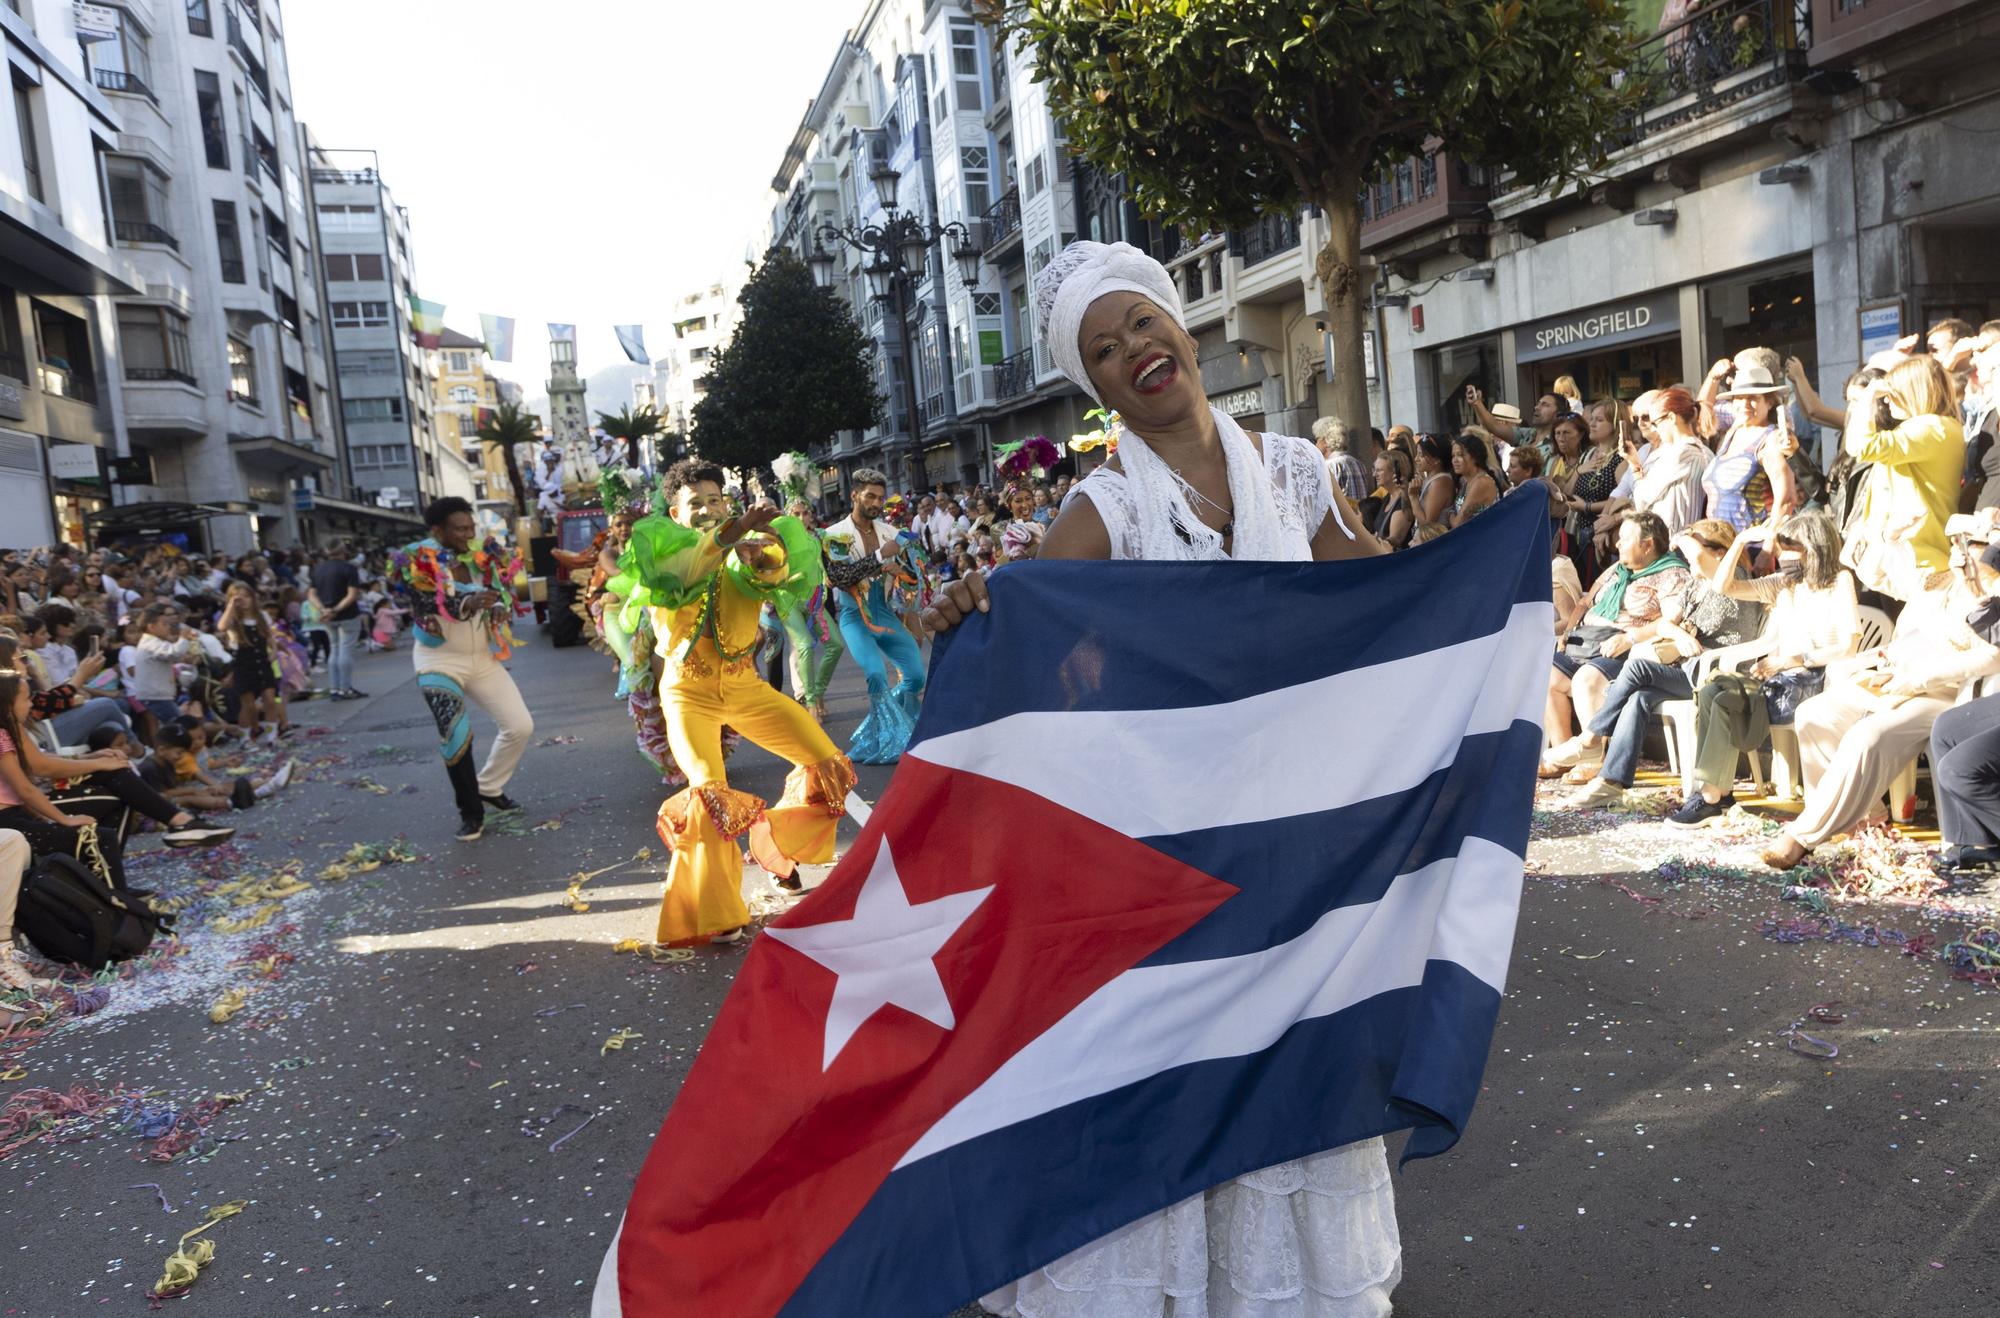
<point>822,262</point>
<point>899,250</point>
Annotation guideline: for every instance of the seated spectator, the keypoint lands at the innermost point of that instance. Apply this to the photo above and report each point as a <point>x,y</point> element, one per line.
<point>1624,607</point>
<point>1476,488</point>
<point>1566,587</point>
<point>1523,465</point>
<point>1662,669</point>
<point>1345,470</point>
<point>1435,487</point>
<point>1908,426</point>
<point>1878,708</point>
<point>69,711</point>
<point>14,858</point>
<point>1393,518</point>
<point>1965,766</point>
<point>58,654</point>
<point>1815,620</point>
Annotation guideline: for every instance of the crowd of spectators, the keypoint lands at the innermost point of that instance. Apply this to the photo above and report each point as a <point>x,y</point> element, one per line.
<point>1729,568</point>
<point>133,684</point>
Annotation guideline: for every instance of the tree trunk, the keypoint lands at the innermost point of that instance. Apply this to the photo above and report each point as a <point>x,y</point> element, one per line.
<point>514,479</point>
<point>1339,268</point>
<point>632,452</point>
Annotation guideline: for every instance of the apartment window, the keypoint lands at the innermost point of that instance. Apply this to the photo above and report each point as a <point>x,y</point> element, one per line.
<point>362,410</point>
<point>975,165</point>
<point>124,63</point>
<point>199,21</point>
<point>155,343</point>
<point>360,315</point>
<point>349,267</point>
<point>379,455</point>
<point>242,371</point>
<point>464,393</point>
<point>965,66</point>
<point>985,304</point>
<point>12,363</point>
<point>1037,177</point>
<point>66,356</point>
<point>214,128</point>
<point>337,218</point>
<point>139,200</point>
<point>278,234</point>
<point>296,394</point>
<point>460,363</point>
<point>31,151</point>
<point>288,312</point>
<point>367,363</point>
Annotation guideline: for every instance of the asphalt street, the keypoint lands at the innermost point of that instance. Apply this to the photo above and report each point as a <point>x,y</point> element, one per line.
<point>430,1121</point>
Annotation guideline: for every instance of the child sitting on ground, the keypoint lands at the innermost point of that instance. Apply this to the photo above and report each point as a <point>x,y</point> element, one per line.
<point>188,777</point>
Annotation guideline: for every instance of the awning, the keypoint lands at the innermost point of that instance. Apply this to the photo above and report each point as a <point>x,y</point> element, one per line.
<point>280,455</point>
<point>154,517</point>
<point>322,503</point>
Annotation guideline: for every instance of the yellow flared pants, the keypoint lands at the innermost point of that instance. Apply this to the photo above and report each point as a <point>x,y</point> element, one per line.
<point>704,827</point>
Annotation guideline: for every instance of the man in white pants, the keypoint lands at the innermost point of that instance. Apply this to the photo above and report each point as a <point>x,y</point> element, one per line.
<point>462,606</point>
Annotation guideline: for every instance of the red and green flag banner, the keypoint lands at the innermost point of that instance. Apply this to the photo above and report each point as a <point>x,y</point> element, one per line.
<point>426,321</point>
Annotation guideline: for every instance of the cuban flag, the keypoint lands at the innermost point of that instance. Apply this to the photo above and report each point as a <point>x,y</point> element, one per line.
<point>1189,870</point>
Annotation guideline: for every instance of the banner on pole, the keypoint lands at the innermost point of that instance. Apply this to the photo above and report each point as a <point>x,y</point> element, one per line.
<point>632,338</point>
<point>498,331</point>
<point>561,333</point>
<point>426,321</point>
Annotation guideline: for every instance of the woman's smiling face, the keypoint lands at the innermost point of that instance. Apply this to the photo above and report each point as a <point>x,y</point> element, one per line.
<point>1141,362</point>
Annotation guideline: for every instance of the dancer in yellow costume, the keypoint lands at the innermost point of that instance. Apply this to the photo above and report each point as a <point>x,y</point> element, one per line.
<point>706,578</point>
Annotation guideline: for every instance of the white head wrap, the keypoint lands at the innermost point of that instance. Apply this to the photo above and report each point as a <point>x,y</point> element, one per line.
<point>1083,272</point>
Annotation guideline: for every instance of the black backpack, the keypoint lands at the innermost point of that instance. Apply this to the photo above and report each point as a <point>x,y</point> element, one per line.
<point>71,915</point>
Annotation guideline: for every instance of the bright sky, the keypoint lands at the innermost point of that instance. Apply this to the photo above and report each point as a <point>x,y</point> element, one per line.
<point>585,162</point>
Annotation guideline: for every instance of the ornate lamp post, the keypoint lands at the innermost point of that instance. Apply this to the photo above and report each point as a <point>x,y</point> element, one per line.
<point>898,250</point>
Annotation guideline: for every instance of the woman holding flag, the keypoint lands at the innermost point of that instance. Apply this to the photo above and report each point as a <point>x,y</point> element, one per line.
<point>1312,1236</point>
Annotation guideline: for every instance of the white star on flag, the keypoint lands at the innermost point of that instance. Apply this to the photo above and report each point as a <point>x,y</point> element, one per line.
<point>882,955</point>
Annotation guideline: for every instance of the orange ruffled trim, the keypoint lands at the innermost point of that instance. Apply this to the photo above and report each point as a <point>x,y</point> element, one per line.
<point>825,784</point>
<point>734,812</point>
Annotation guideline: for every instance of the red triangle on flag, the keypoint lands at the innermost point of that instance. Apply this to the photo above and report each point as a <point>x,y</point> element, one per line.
<point>770,1150</point>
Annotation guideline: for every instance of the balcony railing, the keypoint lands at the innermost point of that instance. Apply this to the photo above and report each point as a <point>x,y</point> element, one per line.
<point>1014,375</point>
<point>154,373</point>
<point>117,80</point>
<point>251,60</point>
<point>1272,236</point>
<point>1724,52</point>
<point>143,231</point>
<point>61,382</point>
<point>1003,219</point>
<point>1419,193</point>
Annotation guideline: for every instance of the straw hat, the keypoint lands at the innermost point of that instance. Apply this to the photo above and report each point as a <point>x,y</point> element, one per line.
<point>1506,412</point>
<point>1751,380</point>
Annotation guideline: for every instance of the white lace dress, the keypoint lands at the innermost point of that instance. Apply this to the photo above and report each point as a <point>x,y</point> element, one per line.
<point>1313,1238</point>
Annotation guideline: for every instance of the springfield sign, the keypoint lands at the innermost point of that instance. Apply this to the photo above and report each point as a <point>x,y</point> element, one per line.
<point>1583,332</point>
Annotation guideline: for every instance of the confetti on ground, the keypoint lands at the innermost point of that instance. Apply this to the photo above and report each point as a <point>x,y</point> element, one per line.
<point>617,1041</point>
<point>184,1265</point>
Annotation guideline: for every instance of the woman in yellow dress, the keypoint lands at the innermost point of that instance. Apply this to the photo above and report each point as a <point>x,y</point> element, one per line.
<point>706,576</point>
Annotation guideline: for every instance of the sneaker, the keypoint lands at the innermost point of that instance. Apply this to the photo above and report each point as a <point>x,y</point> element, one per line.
<point>1697,810</point>
<point>500,801</point>
<point>269,739</point>
<point>1599,795</point>
<point>15,975</point>
<point>197,833</point>
<point>1953,860</point>
<point>338,695</point>
<point>278,780</point>
<point>352,694</point>
<point>1572,754</point>
<point>470,827</point>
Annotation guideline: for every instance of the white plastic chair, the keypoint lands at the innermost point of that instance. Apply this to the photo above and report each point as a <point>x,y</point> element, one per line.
<point>1877,628</point>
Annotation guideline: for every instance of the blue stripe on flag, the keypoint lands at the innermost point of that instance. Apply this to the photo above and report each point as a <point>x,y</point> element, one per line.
<point>966,1221</point>
<point>1282,866</point>
<point>1080,654</point>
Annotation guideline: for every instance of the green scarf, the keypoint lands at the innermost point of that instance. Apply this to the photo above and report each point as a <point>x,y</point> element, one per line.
<point>1612,602</point>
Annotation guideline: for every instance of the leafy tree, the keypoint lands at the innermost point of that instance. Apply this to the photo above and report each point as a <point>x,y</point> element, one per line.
<point>1218,112</point>
<point>503,428</point>
<point>634,426</point>
<point>797,370</point>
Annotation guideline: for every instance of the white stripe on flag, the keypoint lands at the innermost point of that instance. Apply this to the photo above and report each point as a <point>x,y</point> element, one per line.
<point>605,1301</point>
<point>1155,1018</point>
<point>1298,750</point>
